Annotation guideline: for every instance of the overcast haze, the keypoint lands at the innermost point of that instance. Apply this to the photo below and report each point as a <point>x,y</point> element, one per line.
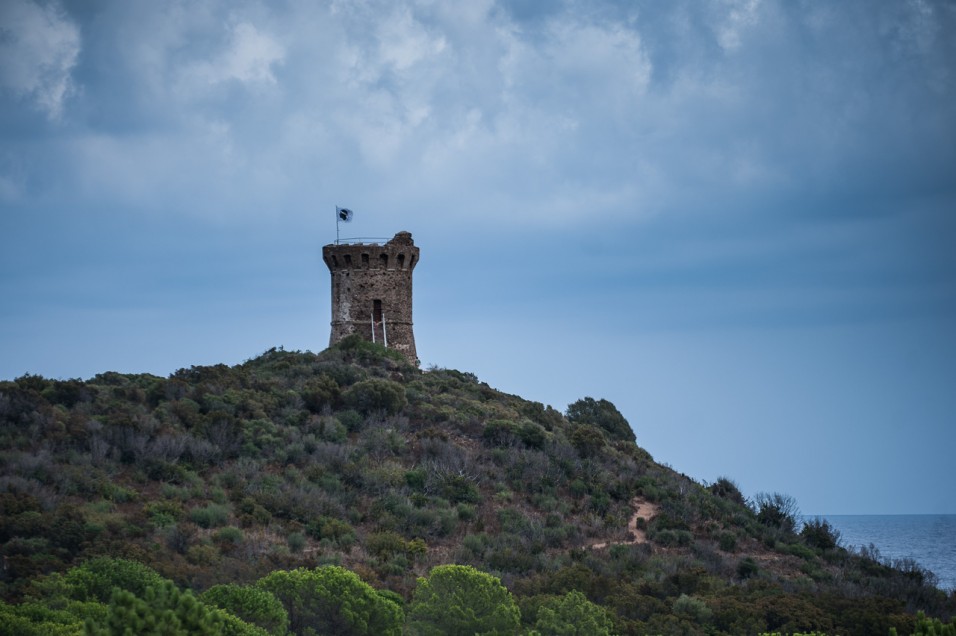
<point>734,219</point>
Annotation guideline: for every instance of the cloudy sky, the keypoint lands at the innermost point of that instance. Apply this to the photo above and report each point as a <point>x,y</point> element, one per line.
<point>734,219</point>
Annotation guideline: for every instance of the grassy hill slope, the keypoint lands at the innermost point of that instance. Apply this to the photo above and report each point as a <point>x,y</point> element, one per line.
<point>352,457</point>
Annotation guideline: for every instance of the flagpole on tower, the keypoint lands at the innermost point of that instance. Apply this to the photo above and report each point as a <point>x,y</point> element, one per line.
<point>343,215</point>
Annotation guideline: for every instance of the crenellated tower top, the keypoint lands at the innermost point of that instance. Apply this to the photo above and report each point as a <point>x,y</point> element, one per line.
<point>372,291</point>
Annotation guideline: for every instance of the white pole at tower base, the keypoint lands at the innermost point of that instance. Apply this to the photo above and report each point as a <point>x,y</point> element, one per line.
<point>384,333</point>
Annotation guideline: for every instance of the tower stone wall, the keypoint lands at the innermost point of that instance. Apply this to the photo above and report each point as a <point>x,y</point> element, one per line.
<point>372,292</point>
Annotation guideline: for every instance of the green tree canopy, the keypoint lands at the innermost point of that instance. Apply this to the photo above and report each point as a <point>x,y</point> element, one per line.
<point>458,600</point>
<point>254,605</point>
<point>602,414</point>
<point>333,600</point>
<point>95,580</point>
<point>572,615</point>
<point>166,611</point>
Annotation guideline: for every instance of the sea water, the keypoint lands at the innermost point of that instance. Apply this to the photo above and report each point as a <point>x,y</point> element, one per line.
<point>930,540</point>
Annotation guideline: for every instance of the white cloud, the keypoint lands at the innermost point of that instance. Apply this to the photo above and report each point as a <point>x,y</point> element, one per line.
<point>249,58</point>
<point>741,15</point>
<point>403,41</point>
<point>39,48</point>
<point>644,110</point>
<point>576,65</point>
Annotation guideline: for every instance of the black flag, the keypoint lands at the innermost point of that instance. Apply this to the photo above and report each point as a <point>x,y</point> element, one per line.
<point>344,214</point>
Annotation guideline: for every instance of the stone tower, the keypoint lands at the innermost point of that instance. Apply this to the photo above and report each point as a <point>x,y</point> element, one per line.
<point>372,292</point>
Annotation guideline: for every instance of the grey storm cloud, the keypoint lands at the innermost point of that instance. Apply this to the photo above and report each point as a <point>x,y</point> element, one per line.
<point>640,108</point>
<point>38,49</point>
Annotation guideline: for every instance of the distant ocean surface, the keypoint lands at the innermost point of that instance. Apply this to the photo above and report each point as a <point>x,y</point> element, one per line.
<point>930,540</point>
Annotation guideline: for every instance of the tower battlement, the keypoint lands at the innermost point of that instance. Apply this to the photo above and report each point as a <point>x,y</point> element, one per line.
<point>372,291</point>
<point>399,253</point>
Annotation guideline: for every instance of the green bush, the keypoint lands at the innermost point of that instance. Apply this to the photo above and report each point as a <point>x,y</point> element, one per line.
<point>818,533</point>
<point>460,600</point>
<point>333,600</point>
<point>459,489</point>
<point>374,395</point>
<point>320,393</point>
<point>230,536</point>
<point>166,611</point>
<point>500,432</point>
<point>727,541</point>
<point>602,414</point>
<point>692,609</point>
<point>351,419</point>
<point>747,568</point>
<point>532,434</point>
<point>163,509</point>
<point>466,512</point>
<point>572,615</point>
<point>296,541</point>
<point>385,545</point>
<point>930,626</point>
<point>798,550</point>
<point>588,440</point>
<point>210,516</point>
<point>415,479</point>
<point>671,538</point>
<point>251,604</point>
<point>726,488</point>
<point>776,510</point>
<point>331,529</point>
<point>95,579</point>
<point>35,619</point>
<point>368,352</point>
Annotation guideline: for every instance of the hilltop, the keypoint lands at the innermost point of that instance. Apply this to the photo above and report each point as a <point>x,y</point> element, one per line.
<point>353,457</point>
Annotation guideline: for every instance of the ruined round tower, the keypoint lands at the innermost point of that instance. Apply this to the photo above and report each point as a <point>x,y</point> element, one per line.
<point>372,292</point>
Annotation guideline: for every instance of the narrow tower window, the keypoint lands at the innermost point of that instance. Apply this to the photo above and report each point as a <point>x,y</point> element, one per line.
<point>384,259</point>
<point>401,261</point>
<point>365,260</point>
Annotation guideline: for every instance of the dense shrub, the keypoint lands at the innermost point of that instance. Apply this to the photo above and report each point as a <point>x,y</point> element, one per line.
<point>252,604</point>
<point>776,510</point>
<point>572,615</point>
<point>692,609</point>
<point>371,396</point>
<point>333,600</point>
<point>96,579</point>
<point>500,432</point>
<point>602,414</point>
<point>747,568</point>
<point>166,611</point>
<point>212,515</point>
<point>321,393</point>
<point>727,541</point>
<point>818,533</point>
<point>458,600</point>
<point>726,488</point>
<point>588,440</point>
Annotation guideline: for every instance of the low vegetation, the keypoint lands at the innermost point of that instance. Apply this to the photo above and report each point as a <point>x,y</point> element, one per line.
<point>348,492</point>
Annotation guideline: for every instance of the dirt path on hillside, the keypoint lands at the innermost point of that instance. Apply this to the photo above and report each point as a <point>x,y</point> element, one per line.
<point>642,510</point>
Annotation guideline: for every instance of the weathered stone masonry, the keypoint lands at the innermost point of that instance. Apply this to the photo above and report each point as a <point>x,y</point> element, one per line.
<point>372,285</point>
